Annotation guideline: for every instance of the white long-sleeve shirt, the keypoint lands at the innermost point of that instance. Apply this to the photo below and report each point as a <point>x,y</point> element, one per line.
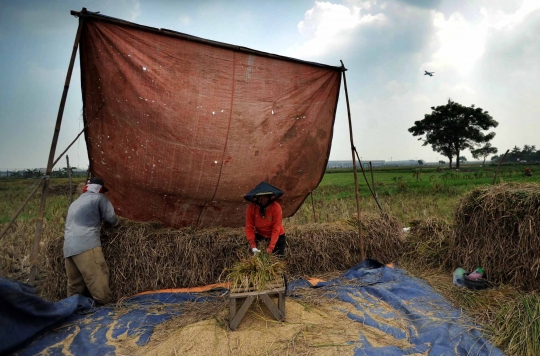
<point>83,222</point>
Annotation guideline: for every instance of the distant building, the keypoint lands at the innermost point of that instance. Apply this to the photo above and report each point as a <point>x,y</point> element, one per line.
<point>349,164</point>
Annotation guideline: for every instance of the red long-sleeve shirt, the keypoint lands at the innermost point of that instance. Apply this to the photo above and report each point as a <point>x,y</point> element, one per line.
<point>271,226</point>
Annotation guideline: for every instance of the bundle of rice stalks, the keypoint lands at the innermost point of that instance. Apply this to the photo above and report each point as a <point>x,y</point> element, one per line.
<point>498,228</point>
<point>518,324</point>
<point>146,256</point>
<point>255,272</point>
<point>428,243</point>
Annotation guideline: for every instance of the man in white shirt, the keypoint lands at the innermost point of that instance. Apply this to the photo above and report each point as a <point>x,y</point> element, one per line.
<point>85,265</point>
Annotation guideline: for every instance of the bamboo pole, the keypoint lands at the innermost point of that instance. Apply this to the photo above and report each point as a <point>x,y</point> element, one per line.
<point>76,138</point>
<point>353,149</point>
<point>70,181</point>
<point>373,194</point>
<point>374,188</point>
<point>499,166</point>
<point>39,223</point>
<point>6,228</point>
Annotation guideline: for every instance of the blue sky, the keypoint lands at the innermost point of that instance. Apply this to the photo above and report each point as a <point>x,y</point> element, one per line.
<point>483,52</point>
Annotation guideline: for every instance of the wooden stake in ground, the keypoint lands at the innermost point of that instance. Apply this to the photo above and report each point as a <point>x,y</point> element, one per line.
<point>499,166</point>
<point>70,181</point>
<point>361,238</point>
<point>39,223</point>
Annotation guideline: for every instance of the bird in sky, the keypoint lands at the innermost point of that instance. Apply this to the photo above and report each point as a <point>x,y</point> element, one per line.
<point>428,73</point>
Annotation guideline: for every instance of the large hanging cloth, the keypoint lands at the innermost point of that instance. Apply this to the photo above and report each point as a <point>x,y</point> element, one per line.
<point>186,126</point>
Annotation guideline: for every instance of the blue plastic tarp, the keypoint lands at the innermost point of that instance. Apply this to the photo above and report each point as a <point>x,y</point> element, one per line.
<point>23,314</point>
<point>433,326</point>
<point>381,296</point>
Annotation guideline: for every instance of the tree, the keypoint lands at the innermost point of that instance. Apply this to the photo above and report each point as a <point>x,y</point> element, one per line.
<point>421,162</point>
<point>484,151</point>
<point>462,159</point>
<point>445,150</point>
<point>528,152</point>
<point>452,128</point>
<point>442,162</point>
<point>515,155</point>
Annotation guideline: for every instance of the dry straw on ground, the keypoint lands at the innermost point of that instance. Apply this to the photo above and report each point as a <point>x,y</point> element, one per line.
<point>498,228</point>
<point>323,329</point>
<point>145,256</point>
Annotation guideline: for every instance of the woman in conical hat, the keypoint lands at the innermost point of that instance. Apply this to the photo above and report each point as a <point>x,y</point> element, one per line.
<point>264,219</point>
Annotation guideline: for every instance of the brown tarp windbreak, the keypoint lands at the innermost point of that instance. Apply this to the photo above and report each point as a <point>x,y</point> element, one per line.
<point>187,128</point>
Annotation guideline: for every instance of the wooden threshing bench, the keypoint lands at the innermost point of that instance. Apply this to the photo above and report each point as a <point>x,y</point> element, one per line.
<point>249,294</point>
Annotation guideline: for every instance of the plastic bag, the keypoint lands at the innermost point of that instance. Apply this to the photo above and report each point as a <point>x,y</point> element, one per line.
<point>458,277</point>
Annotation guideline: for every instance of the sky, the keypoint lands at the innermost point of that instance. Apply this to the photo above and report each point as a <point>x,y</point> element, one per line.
<point>483,52</point>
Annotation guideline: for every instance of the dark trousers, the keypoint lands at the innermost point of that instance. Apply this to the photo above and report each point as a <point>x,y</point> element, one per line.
<point>280,244</point>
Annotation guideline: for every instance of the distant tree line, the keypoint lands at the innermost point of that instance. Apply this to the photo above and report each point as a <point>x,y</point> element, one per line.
<point>37,173</point>
<point>529,153</point>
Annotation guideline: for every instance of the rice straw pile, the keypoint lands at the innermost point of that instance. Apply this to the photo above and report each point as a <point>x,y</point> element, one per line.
<point>428,243</point>
<point>146,256</point>
<point>498,228</point>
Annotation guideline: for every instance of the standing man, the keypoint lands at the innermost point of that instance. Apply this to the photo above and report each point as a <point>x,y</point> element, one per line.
<point>85,265</point>
<point>264,219</point>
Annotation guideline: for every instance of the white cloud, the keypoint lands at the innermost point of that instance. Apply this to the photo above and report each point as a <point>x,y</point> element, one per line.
<point>185,20</point>
<point>135,11</point>
<point>460,43</point>
<point>326,20</point>
<point>328,26</point>
<point>499,19</point>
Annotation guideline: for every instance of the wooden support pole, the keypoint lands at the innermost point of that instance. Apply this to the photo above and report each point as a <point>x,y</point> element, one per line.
<point>76,138</point>
<point>499,166</point>
<point>371,190</point>
<point>360,236</point>
<point>374,188</point>
<point>6,228</point>
<point>39,223</point>
<point>70,181</point>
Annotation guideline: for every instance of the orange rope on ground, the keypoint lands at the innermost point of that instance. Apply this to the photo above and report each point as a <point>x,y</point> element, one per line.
<point>312,281</point>
<point>188,290</point>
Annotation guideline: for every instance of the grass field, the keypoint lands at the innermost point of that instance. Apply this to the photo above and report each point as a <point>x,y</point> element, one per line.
<point>401,194</point>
